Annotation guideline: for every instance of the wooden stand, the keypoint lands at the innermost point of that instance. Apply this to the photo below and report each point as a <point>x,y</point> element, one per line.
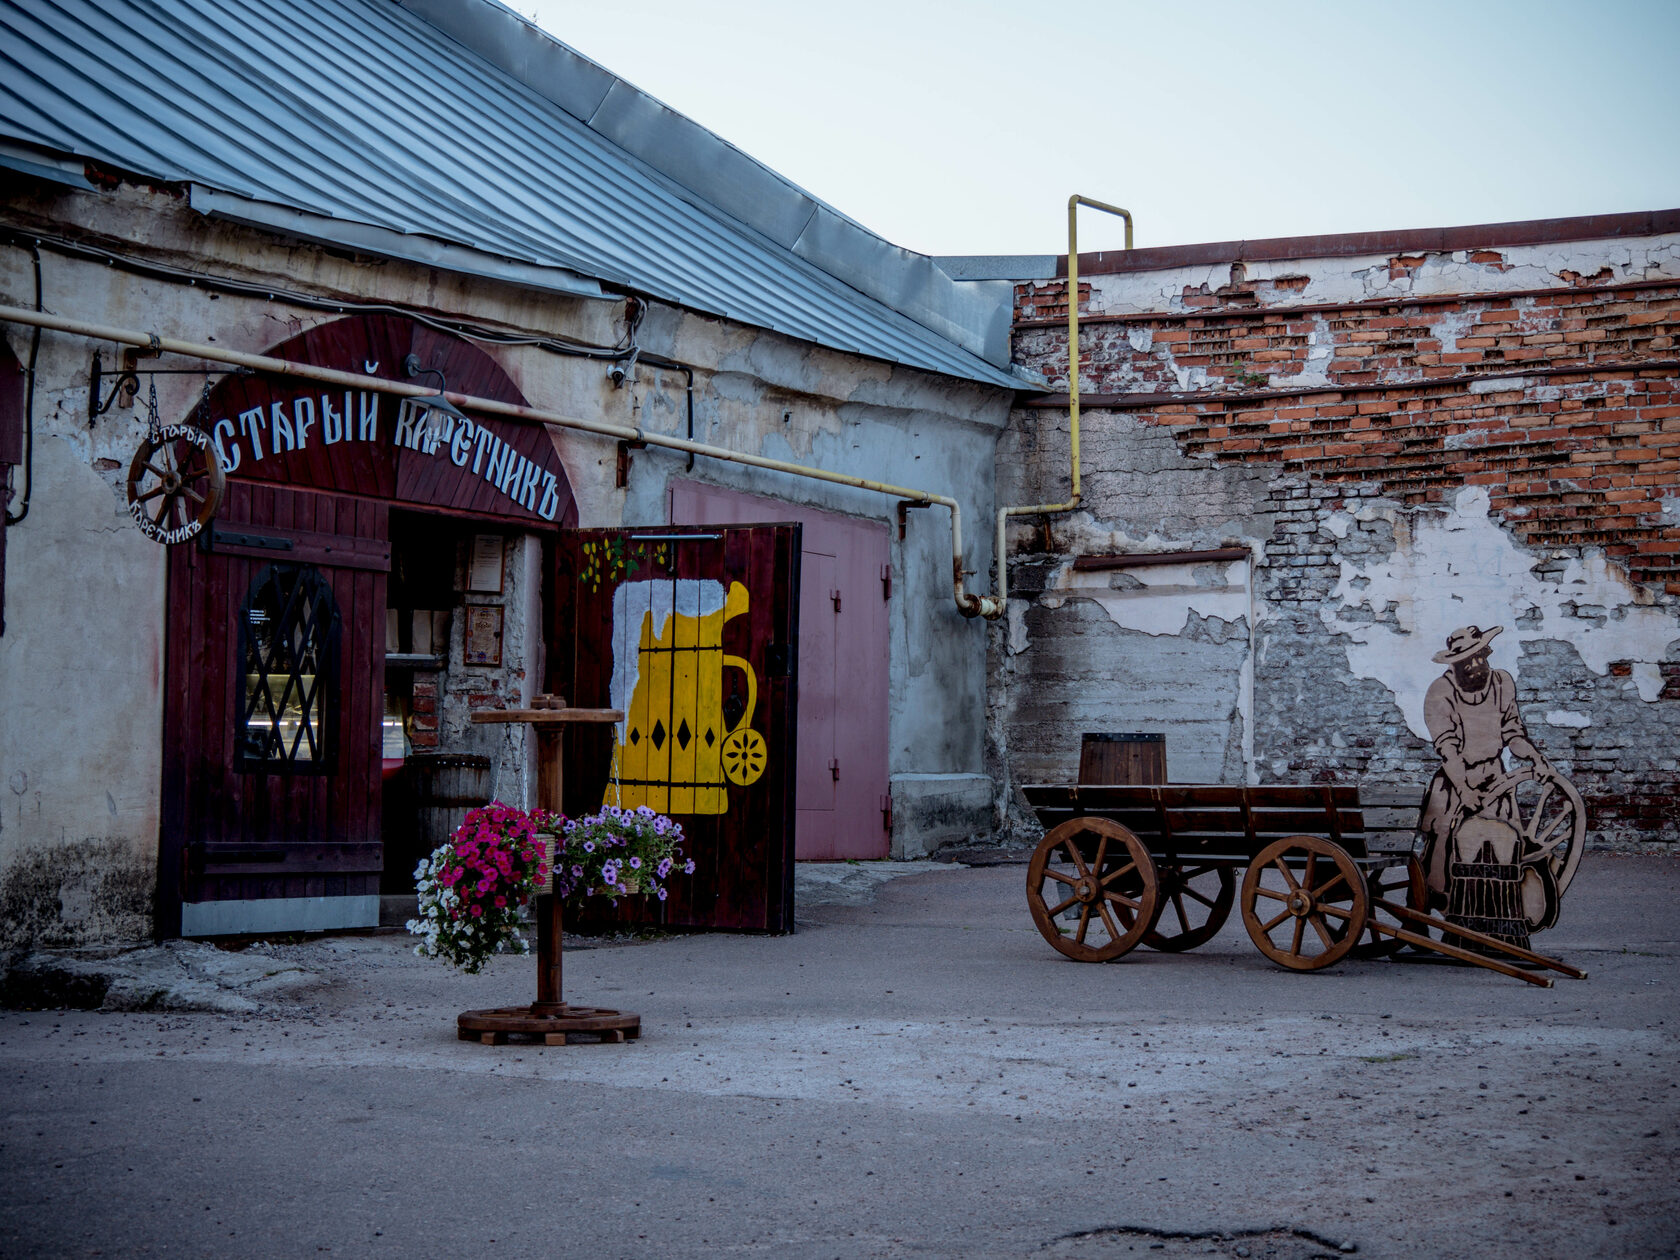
<point>549,1018</point>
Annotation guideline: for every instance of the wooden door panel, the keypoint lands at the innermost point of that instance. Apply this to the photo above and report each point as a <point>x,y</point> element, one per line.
<point>843,655</point>
<point>861,665</point>
<point>818,703</point>
<point>691,633</point>
<point>234,836</point>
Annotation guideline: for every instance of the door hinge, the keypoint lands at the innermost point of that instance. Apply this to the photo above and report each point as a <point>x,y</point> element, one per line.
<point>886,581</point>
<point>835,596</point>
<point>834,769</point>
<point>886,813</point>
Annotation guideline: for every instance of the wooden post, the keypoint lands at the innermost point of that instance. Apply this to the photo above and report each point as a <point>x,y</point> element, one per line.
<point>549,1017</point>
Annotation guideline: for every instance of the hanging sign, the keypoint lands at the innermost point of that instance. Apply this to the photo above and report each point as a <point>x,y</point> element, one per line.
<point>174,483</point>
<point>292,425</point>
<point>373,444</point>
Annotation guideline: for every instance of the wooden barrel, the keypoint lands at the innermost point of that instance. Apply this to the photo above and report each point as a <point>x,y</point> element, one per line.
<point>1487,897</point>
<point>445,787</point>
<point>1132,758</point>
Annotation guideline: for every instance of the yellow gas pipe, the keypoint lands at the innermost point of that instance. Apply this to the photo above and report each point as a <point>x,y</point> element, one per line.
<point>968,603</point>
<point>995,605</point>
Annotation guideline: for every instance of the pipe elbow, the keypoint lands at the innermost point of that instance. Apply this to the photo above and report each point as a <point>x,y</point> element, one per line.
<point>988,607</point>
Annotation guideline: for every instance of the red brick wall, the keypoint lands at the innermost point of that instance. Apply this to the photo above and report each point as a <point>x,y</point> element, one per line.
<point>1561,400</point>
<point>1580,449</point>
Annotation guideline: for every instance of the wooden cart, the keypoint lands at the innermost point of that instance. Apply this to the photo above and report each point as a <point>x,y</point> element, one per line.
<point>1159,865</point>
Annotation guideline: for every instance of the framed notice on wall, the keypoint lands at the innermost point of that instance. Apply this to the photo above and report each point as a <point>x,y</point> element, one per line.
<point>484,566</point>
<point>483,638</point>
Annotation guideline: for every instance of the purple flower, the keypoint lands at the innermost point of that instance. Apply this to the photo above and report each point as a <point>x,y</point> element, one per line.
<point>635,863</point>
<point>589,846</point>
<point>664,868</point>
<point>662,894</point>
<point>610,875</point>
<point>688,867</point>
<point>577,872</point>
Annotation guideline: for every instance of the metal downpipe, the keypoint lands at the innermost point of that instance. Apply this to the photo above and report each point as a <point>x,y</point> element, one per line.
<point>968,604</point>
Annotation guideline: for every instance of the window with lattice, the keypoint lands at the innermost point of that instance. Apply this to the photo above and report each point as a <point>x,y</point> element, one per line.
<point>288,642</point>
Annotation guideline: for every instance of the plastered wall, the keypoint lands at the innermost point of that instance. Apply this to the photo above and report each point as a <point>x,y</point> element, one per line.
<point>80,661</point>
<point>1406,443</point>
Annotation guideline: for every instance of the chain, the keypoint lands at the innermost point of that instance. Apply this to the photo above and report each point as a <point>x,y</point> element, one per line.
<point>204,407</point>
<point>153,424</point>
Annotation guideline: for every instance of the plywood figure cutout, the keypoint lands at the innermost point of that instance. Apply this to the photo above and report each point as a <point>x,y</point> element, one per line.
<point>1500,845</point>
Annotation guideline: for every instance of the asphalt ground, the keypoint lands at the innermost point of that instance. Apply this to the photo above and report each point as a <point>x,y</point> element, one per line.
<point>913,1074</point>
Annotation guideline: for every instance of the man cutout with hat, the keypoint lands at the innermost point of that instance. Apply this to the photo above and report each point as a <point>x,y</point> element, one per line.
<point>1471,714</point>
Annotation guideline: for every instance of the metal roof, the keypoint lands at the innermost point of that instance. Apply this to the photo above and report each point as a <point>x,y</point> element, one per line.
<point>416,128</point>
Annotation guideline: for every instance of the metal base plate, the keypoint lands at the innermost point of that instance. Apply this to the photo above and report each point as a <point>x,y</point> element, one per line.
<point>553,1025</point>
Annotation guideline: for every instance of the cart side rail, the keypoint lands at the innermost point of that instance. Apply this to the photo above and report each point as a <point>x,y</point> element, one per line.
<point>1207,819</point>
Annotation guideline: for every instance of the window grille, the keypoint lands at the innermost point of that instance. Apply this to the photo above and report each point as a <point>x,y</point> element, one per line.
<point>288,641</point>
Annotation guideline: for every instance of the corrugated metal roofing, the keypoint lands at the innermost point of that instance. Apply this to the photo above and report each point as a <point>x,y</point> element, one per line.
<point>357,120</point>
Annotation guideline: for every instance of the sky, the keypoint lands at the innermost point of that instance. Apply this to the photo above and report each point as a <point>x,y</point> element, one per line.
<point>962,128</point>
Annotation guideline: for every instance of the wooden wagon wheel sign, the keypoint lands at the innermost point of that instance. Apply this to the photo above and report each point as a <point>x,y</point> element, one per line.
<point>1092,889</point>
<point>175,483</point>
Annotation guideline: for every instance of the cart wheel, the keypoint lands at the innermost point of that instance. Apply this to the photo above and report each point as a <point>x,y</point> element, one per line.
<point>1553,821</point>
<point>1304,902</point>
<point>1092,889</point>
<point>1401,885</point>
<point>1540,896</point>
<point>1195,902</point>
<point>175,483</point>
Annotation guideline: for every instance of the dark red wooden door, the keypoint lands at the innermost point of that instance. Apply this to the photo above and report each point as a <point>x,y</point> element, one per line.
<point>692,633</point>
<point>249,844</point>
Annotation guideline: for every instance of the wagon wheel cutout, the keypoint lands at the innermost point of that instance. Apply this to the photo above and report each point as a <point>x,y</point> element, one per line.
<point>1195,902</point>
<point>1092,889</point>
<point>1550,816</point>
<point>1304,902</point>
<point>175,483</point>
<point>1402,886</point>
<point>744,756</point>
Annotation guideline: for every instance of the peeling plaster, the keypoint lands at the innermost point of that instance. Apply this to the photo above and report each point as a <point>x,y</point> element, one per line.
<point>1162,599</point>
<point>1461,568</point>
<point>1369,278</point>
<point>1018,640</point>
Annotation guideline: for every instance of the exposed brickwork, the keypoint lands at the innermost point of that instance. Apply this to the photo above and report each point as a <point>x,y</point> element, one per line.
<point>1569,463</point>
<point>1573,455</point>
<point>423,728</point>
<point>1244,344</point>
<point>1331,433</point>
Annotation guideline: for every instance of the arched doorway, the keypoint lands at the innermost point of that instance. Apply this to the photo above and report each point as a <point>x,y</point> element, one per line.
<point>264,830</point>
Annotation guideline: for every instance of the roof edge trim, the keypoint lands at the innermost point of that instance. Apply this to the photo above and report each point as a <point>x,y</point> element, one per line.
<point>368,239</point>
<point>1589,227</point>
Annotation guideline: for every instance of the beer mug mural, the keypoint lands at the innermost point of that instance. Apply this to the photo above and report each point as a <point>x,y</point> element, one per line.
<point>676,750</point>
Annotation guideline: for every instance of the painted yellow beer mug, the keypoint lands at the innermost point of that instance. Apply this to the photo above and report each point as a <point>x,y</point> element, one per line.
<point>675,751</point>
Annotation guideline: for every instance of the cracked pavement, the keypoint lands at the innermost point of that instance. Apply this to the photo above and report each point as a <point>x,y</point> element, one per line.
<point>914,1073</point>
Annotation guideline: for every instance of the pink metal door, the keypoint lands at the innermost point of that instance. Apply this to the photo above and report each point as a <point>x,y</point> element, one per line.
<point>841,768</point>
